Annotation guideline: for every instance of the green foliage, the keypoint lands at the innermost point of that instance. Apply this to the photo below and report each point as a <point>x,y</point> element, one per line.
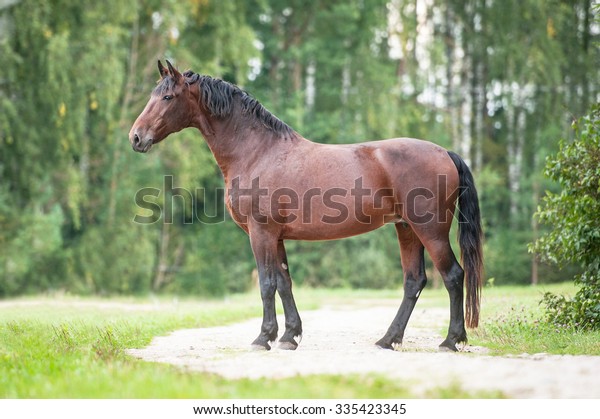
<point>580,312</point>
<point>491,81</point>
<point>372,262</point>
<point>508,245</point>
<point>573,214</point>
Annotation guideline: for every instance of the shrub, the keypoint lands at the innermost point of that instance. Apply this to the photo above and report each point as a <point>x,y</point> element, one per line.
<point>574,216</point>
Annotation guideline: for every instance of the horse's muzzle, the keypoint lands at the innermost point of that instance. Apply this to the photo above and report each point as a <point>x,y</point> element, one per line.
<point>139,144</point>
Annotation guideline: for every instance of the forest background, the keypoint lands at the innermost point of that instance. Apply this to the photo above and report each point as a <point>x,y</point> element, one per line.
<point>499,82</point>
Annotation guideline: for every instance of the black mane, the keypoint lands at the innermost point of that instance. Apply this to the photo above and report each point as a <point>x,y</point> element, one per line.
<point>218,96</point>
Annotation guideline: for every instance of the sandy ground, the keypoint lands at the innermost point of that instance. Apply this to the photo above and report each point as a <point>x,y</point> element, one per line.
<point>340,340</point>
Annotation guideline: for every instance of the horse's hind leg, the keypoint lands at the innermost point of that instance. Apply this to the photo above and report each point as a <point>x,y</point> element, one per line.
<point>444,260</point>
<point>413,265</point>
<point>293,324</point>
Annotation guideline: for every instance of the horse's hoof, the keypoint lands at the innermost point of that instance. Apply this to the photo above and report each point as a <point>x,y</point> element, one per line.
<point>447,346</point>
<point>384,345</point>
<point>258,347</point>
<point>288,346</point>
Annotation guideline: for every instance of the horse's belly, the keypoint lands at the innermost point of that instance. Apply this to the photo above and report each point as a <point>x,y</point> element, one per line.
<point>337,219</point>
<point>324,231</point>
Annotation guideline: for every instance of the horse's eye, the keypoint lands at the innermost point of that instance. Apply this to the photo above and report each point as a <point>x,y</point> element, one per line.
<point>167,97</point>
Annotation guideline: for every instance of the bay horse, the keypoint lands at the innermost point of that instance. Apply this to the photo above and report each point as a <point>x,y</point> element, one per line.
<point>281,186</point>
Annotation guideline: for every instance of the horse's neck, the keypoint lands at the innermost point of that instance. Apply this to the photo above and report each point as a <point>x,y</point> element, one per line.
<point>221,144</point>
<point>236,149</point>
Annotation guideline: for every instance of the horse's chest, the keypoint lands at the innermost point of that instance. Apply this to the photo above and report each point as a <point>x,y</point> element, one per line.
<point>247,202</point>
<point>233,205</point>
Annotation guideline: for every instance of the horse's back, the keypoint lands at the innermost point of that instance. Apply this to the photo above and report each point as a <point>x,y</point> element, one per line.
<point>407,162</point>
<point>400,164</point>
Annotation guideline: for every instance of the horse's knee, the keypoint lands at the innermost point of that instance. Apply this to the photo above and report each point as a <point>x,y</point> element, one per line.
<point>268,287</point>
<point>414,284</point>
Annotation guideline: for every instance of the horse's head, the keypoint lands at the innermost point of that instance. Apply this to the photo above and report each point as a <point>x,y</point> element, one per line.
<point>170,109</point>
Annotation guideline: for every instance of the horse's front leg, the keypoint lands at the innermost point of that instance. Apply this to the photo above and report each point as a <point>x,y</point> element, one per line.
<point>293,324</point>
<point>273,275</point>
<point>265,253</point>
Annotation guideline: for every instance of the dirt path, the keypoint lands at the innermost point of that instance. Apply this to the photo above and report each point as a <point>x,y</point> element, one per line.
<point>340,341</point>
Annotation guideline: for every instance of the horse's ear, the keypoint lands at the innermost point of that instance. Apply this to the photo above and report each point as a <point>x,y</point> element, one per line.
<point>173,71</point>
<point>162,70</point>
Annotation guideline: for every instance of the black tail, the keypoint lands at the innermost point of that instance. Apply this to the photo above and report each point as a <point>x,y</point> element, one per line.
<point>470,237</point>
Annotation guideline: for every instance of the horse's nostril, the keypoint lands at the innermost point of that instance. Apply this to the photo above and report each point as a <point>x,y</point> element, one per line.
<point>141,144</point>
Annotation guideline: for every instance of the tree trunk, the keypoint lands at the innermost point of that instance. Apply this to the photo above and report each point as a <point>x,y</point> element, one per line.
<point>123,121</point>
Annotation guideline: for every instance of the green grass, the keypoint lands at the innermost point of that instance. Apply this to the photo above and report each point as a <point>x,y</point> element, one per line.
<point>513,323</point>
<point>75,349</point>
<point>66,347</point>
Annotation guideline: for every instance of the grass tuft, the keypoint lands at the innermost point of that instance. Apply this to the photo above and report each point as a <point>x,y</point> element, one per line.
<point>522,329</point>
<point>107,346</point>
<point>63,337</point>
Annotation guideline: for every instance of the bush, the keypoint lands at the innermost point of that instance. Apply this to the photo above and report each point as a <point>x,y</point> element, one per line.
<point>573,214</point>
